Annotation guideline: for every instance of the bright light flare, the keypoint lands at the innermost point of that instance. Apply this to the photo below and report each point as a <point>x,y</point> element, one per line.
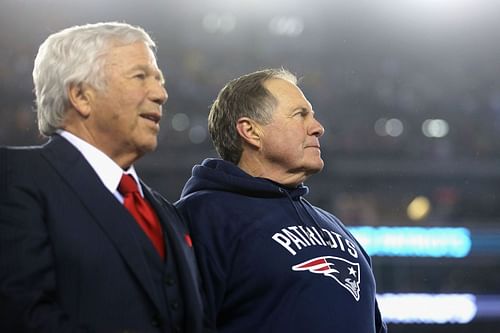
<point>435,128</point>
<point>433,242</point>
<point>428,308</point>
<point>418,208</point>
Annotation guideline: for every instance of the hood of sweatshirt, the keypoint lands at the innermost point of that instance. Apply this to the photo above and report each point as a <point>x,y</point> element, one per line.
<point>219,175</point>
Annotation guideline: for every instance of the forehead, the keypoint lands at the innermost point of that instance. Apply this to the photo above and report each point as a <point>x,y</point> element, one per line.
<point>130,55</point>
<point>287,93</point>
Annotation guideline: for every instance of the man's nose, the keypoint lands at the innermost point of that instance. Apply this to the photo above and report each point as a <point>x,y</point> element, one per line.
<point>159,93</point>
<point>316,128</point>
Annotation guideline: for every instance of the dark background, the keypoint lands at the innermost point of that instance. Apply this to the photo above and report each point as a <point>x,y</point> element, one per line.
<point>361,62</point>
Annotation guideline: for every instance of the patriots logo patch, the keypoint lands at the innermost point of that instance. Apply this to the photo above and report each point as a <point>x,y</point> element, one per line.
<point>346,273</point>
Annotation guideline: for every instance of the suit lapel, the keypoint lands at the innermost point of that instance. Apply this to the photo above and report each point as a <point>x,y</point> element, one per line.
<point>174,233</point>
<point>103,206</point>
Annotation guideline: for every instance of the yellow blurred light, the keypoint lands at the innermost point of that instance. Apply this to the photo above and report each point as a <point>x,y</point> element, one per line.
<point>418,208</point>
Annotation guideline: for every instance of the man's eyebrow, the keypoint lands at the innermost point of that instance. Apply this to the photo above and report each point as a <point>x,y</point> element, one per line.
<point>304,109</point>
<point>148,69</point>
<point>161,76</point>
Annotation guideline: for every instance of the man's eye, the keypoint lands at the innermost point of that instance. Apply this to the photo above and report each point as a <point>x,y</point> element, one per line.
<point>140,76</point>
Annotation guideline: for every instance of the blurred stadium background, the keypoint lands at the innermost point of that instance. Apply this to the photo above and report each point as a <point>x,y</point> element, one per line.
<point>409,94</point>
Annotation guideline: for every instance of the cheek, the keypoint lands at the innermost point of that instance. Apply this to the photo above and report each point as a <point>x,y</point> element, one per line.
<point>128,97</point>
<point>293,139</point>
<point>286,147</point>
<point>128,110</point>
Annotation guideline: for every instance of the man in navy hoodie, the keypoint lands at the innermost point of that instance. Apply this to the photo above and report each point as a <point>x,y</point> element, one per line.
<point>271,261</point>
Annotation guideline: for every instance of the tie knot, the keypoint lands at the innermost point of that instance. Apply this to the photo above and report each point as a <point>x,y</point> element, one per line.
<point>127,185</point>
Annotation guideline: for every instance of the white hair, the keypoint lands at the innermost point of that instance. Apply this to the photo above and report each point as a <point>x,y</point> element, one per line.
<point>73,56</point>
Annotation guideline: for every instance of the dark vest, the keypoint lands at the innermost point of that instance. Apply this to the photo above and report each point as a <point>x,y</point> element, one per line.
<point>166,281</point>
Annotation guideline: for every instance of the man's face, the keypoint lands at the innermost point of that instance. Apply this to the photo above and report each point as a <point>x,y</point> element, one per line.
<point>125,115</point>
<point>290,143</point>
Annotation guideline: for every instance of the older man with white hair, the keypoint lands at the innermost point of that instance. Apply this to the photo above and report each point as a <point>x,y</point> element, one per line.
<point>85,245</point>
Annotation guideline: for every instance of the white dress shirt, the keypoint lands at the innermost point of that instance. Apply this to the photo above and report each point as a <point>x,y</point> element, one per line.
<point>108,171</point>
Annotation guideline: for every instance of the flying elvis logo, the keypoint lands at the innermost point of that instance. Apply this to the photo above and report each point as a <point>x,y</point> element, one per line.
<point>346,273</point>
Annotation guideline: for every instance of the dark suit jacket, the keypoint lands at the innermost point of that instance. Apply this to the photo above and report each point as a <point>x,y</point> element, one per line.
<point>69,260</point>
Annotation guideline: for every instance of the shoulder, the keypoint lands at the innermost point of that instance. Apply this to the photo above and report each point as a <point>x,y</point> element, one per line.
<point>332,218</point>
<point>325,215</point>
<point>213,205</point>
<point>216,212</point>
<point>12,154</point>
<point>19,162</point>
<point>205,199</point>
<point>22,177</point>
<point>24,158</point>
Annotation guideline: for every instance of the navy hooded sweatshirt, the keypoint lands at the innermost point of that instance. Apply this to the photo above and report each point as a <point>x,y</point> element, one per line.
<point>272,262</point>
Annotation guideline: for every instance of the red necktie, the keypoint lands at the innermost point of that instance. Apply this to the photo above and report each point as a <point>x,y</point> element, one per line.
<point>142,212</point>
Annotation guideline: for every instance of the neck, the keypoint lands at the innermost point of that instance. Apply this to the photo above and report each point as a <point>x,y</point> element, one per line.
<point>119,157</point>
<point>256,168</point>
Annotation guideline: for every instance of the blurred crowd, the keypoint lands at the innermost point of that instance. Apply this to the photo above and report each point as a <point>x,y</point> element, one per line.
<point>354,77</point>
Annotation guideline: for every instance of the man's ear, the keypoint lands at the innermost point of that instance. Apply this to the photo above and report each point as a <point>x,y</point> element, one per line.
<point>80,97</point>
<point>249,131</point>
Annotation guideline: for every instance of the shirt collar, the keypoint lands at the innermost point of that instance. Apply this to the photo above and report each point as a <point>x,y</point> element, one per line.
<point>107,170</point>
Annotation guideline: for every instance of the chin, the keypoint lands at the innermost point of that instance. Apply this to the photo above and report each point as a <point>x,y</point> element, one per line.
<point>315,168</point>
<point>312,171</point>
<point>152,148</point>
<point>149,146</point>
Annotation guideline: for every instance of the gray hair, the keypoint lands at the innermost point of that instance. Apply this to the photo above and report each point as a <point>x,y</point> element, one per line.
<point>245,96</point>
<point>73,56</point>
